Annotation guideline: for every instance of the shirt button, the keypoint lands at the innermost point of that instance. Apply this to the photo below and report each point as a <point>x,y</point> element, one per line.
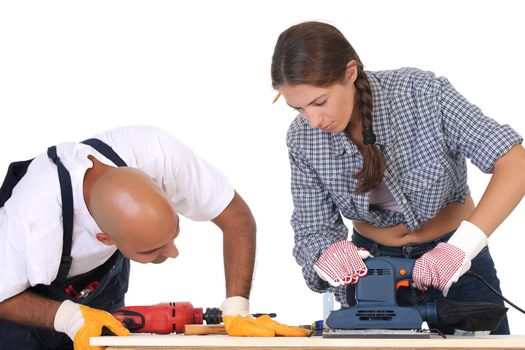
<point>425,184</point>
<point>385,173</point>
<point>416,223</point>
<point>404,200</point>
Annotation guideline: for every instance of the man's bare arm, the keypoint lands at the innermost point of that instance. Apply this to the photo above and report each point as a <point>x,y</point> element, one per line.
<point>238,227</point>
<point>29,309</point>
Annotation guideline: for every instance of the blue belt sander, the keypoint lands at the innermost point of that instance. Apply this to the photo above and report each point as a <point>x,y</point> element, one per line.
<point>377,313</point>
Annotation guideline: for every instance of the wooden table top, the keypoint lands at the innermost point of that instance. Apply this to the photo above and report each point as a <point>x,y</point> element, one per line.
<point>211,342</point>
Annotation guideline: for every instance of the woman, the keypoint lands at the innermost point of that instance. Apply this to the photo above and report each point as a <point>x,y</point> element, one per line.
<point>387,150</point>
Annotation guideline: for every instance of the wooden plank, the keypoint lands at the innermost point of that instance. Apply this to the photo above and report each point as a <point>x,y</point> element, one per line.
<point>204,329</point>
<point>216,342</point>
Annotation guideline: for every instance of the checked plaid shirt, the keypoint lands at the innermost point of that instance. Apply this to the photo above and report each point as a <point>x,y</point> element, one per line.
<point>425,130</point>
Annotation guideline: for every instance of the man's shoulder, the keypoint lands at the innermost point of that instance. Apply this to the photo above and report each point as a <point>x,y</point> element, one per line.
<point>141,144</point>
<point>131,133</point>
<point>38,191</point>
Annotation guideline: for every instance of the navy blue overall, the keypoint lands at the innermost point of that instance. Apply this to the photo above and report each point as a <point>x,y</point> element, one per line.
<point>112,276</point>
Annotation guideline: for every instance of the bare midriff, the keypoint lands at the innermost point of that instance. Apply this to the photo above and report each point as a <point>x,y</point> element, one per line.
<point>446,221</point>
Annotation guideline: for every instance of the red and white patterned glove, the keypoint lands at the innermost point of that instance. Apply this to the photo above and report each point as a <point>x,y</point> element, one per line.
<point>342,263</point>
<point>447,262</point>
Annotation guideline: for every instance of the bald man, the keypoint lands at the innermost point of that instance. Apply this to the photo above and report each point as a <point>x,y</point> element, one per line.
<point>132,212</point>
<point>50,288</point>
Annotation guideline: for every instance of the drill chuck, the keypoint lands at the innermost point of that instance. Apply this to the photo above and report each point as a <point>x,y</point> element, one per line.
<point>213,315</point>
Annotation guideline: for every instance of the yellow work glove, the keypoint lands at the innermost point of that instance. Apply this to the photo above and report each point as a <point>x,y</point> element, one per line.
<point>262,326</point>
<point>239,323</point>
<point>81,322</point>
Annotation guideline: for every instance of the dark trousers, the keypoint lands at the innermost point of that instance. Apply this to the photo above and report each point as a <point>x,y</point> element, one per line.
<point>109,296</point>
<point>467,288</point>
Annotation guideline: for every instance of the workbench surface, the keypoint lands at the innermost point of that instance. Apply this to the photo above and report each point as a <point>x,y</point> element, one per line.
<point>209,342</point>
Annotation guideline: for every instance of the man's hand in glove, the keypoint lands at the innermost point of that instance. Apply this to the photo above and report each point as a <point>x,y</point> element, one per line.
<point>342,263</point>
<point>239,323</point>
<point>447,262</point>
<point>81,322</point>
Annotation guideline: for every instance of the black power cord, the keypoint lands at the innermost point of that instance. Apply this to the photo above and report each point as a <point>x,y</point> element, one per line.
<point>473,274</point>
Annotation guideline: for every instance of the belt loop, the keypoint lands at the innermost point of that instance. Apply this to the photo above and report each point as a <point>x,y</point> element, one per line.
<point>374,249</point>
<point>410,250</point>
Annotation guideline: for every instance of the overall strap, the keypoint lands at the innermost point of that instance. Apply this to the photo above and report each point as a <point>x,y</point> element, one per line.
<point>106,151</point>
<point>66,193</point>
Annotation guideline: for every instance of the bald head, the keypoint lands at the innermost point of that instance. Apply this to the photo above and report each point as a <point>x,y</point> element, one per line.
<point>131,209</point>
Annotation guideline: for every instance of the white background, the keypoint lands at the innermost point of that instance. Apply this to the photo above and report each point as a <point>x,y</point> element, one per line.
<point>200,70</point>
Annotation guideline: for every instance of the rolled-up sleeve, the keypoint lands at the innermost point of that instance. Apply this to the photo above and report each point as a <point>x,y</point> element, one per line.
<point>469,132</point>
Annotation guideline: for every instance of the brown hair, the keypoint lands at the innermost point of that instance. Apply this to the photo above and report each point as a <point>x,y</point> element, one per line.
<point>317,54</point>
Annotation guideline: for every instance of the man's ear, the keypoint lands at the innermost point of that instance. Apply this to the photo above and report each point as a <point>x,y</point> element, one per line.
<point>351,71</point>
<point>104,238</point>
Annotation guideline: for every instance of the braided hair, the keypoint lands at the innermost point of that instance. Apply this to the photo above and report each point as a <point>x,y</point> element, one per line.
<point>317,54</point>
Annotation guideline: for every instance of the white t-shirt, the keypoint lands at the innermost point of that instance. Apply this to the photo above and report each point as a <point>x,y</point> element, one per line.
<point>31,220</point>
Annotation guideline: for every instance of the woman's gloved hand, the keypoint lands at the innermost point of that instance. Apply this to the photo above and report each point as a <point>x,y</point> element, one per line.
<point>81,322</point>
<point>239,323</point>
<point>342,263</point>
<point>443,265</point>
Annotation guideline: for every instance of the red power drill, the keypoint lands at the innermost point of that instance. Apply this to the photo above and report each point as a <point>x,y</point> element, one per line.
<point>165,318</point>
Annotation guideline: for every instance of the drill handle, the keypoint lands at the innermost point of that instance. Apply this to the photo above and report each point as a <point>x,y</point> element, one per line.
<point>132,320</point>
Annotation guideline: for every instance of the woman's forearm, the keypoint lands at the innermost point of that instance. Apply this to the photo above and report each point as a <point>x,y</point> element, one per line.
<point>503,193</point>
